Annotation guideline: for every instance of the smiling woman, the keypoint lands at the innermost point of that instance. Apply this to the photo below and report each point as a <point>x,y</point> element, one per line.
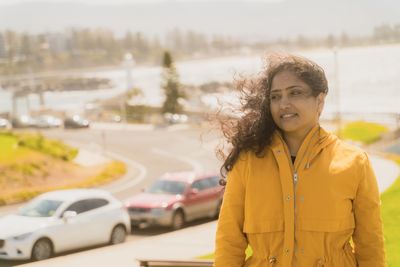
<point>296,194</point>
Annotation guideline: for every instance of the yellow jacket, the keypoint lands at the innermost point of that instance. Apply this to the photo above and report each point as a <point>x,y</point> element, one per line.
<point>302,214</point>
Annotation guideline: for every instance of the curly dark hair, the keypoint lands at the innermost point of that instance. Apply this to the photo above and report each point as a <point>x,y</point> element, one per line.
<point>253,128</point>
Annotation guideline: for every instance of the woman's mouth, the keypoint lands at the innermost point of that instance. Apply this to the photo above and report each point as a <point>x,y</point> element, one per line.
<point>288,116</point>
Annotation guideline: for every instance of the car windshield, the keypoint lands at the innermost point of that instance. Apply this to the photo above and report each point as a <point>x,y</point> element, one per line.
<point>40,208</point>
<point>167,187</point>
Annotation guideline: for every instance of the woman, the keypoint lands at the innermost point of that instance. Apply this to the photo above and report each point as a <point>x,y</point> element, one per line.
<point>295,193</point>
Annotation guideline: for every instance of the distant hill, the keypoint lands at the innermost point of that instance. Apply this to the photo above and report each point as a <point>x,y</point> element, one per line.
<point>254,20</point>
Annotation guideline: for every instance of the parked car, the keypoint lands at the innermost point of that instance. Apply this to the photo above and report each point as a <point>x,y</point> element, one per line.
<point>23,121</point>
<point>47,121</point>
<point>176,198</point>
<point>5,124</point>
<point>76,121</point>
<point>175,118</point>
<point>63,220</point>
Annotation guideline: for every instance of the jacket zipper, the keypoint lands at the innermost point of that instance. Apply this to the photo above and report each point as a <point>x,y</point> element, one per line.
<point>295,180</point>
<point>295,177</point>
<point>294,184</point>
<point>294,199</point>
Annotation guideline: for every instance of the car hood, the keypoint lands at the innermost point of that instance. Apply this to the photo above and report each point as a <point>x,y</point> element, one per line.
<point>12,225</point>
<point>148,200</point>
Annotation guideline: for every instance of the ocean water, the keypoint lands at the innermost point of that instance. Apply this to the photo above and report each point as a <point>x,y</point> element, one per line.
<point>368,80</point>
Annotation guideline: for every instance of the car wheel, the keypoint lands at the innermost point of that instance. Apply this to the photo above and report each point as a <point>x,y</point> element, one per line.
<point>42,250</point>
<point>118,235</point>
<point>178,220</point>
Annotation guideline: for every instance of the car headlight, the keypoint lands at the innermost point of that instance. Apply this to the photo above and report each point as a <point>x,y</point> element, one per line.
<point>22,237</point>
<point>157,211</point>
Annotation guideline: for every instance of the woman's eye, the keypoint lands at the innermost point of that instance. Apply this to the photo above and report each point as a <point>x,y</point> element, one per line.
<point>274,97</point>
<point>297,92</point>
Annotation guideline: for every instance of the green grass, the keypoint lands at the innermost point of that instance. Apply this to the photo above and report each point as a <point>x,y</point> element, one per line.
<point>391,219</point>
<point>364,132</point>
<point>113,170</point>
<point>15,147</point>
<point>10,151</point>
<point>54,148</point>
<point>22,155</point>
<point>110,172</point>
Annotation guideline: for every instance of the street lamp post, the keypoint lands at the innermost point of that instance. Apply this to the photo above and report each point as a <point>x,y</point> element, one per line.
<point>128,63</point>
<point>338,115</point>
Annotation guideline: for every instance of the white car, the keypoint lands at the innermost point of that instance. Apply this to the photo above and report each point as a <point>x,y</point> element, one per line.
<point>63,220</point>
<point>5,124</point>
<point>47,121</point>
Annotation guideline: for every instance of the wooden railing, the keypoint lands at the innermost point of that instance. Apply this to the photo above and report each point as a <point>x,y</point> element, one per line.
<point>175,263</point>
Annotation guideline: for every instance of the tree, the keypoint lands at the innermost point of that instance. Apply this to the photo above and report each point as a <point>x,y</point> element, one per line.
<point>171,86</point>
<point>128,41</point>
<point>26,46</point>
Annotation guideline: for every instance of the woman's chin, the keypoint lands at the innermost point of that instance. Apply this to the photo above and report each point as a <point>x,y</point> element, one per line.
<point>289,126</point>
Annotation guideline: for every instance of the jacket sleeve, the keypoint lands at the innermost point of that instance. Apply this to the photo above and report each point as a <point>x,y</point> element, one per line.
<point>231,242</point>
<point>368,234</point>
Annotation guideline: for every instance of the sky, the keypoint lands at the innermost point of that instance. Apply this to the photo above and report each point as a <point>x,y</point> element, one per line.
<point>116,2</point>
<point>250,19</point>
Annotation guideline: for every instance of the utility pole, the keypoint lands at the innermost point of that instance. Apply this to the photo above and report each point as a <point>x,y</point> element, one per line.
<point>338,115</point>
<point>14,103</point>
<point>31,86</point>
<point>128,63</point>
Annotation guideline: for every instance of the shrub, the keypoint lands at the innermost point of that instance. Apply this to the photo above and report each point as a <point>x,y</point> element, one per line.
<point>364,132</point>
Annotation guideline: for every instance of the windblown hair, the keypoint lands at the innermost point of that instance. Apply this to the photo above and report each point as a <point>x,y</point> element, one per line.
<point>253,128</point>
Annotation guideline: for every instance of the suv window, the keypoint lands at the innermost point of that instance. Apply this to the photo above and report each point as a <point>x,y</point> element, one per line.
<point>87,204</point>
<point>197,185</point>
<point>214,181</point>
<point>201,184</point>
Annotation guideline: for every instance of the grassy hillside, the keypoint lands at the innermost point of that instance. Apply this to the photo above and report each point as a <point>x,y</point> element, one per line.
<point>31,164</point>
<point>364,132</point>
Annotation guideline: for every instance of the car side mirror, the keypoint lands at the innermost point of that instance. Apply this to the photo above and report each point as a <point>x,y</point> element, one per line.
<point>69,214</point>
<point>193,192</point>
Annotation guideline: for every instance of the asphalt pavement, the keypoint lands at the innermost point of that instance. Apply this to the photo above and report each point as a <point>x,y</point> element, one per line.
<point>187,243</point>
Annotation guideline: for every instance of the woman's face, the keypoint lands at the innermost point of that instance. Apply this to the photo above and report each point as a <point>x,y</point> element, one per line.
<point>294,109</point>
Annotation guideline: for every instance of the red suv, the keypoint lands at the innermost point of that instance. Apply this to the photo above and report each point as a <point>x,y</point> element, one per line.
<point>176,198</point>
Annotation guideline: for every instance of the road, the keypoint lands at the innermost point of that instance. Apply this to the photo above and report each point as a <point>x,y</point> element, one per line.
<point>151,152</point>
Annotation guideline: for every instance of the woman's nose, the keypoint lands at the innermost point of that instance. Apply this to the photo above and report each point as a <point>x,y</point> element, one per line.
<point>284,103</point>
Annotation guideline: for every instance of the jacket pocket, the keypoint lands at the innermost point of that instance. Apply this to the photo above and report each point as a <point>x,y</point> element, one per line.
<point>266,240</point>
<point>344,257</point>
<point>348,257</point>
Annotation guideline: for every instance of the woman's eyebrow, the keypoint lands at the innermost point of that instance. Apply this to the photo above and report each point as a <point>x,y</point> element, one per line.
<point>290,87</point>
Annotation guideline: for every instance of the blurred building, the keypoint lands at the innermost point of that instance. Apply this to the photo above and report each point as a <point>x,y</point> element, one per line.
<point>2,46</point>
<point>57,42</point>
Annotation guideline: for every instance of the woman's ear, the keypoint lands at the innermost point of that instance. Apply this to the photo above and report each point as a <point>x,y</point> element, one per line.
<point>321,102</point>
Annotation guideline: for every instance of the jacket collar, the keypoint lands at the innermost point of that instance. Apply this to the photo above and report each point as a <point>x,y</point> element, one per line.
<point>278,141</point>
<point>317,139</point>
